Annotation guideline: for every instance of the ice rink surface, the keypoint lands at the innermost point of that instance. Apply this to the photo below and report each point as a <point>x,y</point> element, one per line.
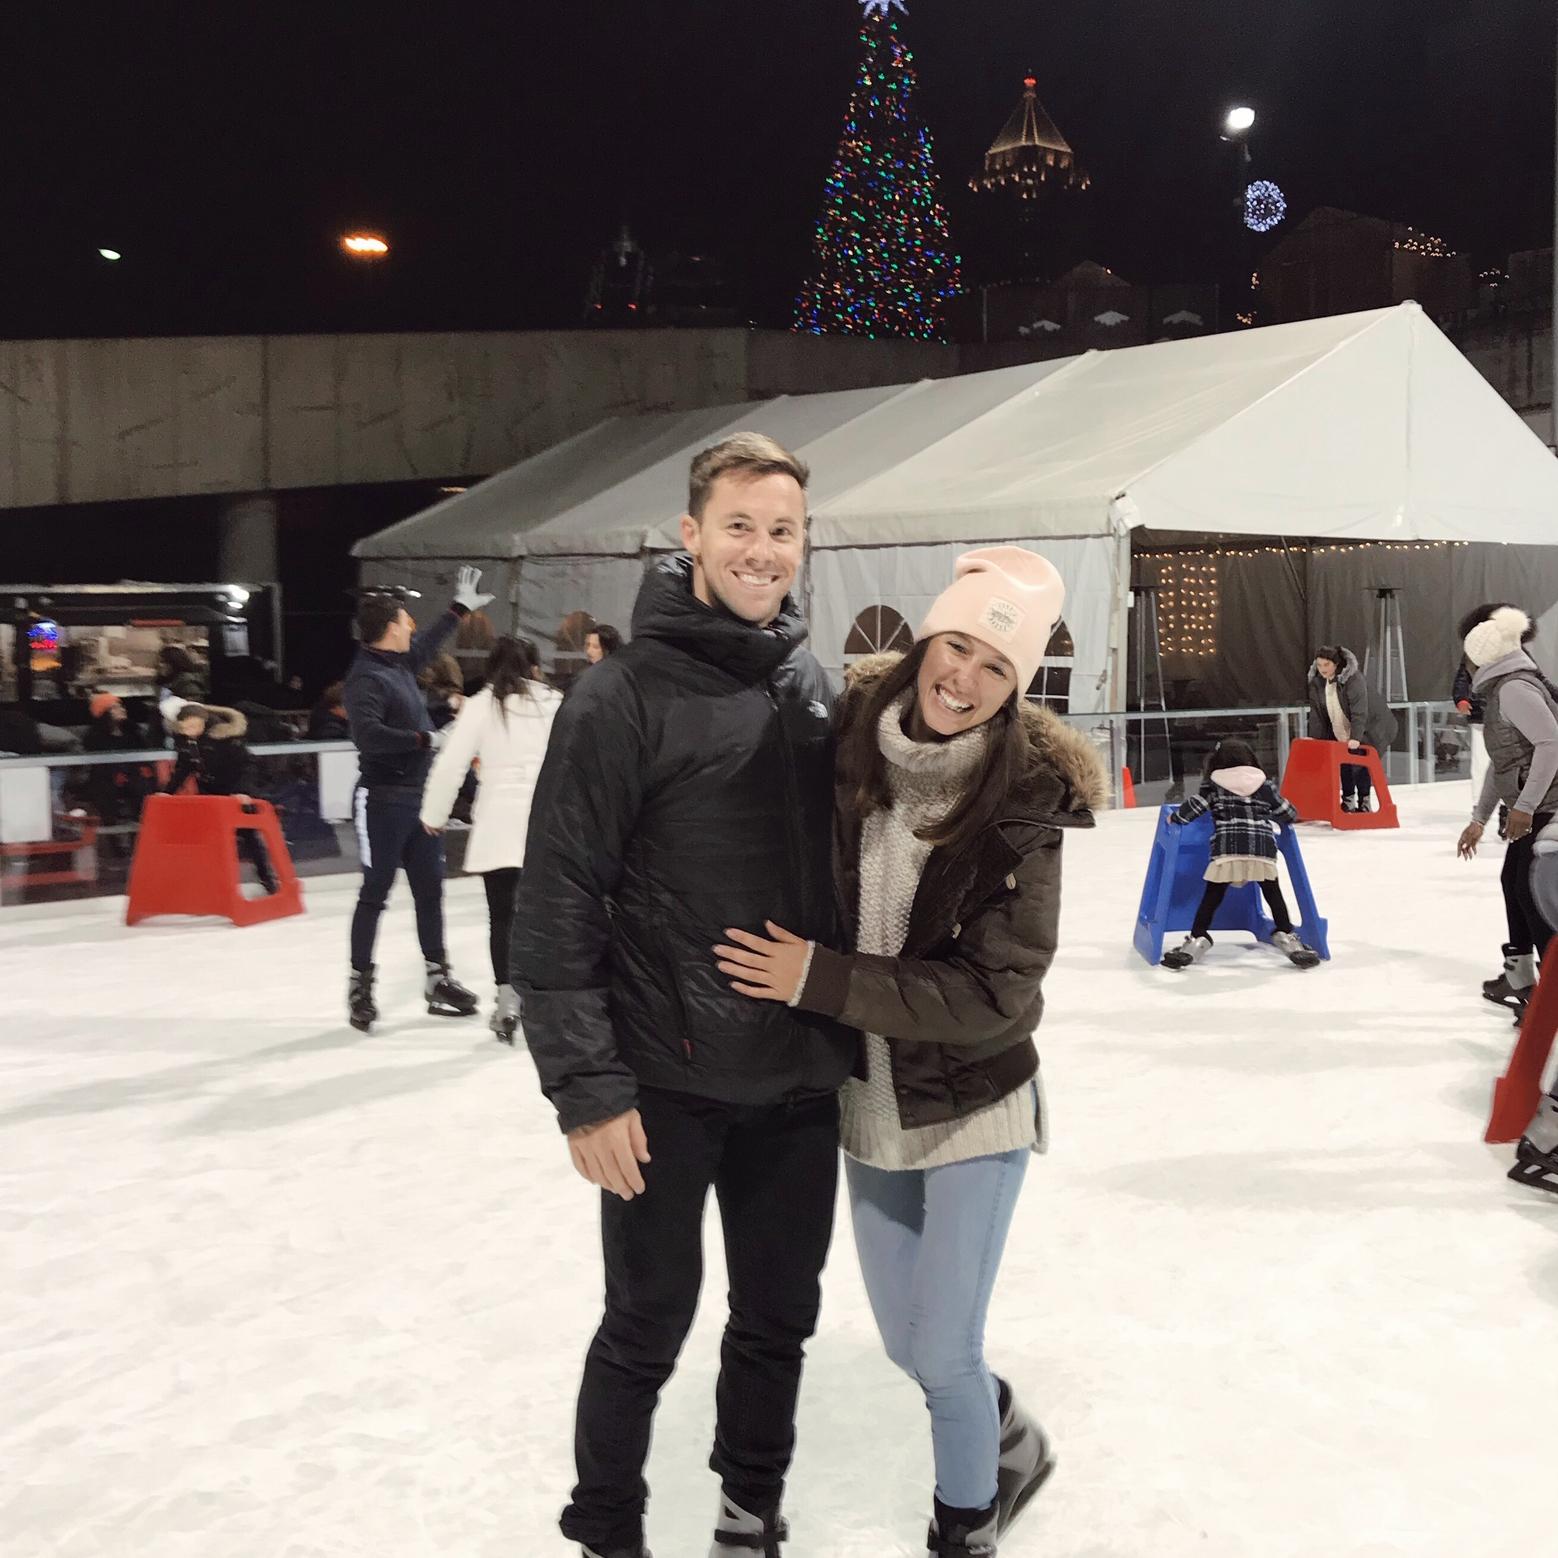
<point>274,1289</point>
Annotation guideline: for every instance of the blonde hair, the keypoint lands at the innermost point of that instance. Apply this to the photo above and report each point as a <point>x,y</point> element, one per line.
<point>742,454</point>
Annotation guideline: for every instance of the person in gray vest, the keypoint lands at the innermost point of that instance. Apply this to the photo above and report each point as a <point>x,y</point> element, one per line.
<point>1520,725</point>
<point>1520,728</point>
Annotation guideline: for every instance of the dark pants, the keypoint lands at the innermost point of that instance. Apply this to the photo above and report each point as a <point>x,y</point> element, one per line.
<point>390,835</point>
<point>1212,901</point>
<point>1528,931</point>
<point>1356,782</point>
<point>775,1172</point>
<point>251,847</point>
<point>501,886</point>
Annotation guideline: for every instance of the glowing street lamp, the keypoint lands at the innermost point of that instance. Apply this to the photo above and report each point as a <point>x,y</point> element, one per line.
<point>364,246</point>
<point>1240,121</point>
<point>110,255</point>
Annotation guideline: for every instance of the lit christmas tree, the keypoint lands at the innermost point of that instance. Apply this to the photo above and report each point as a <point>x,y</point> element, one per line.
<point>884,260</point>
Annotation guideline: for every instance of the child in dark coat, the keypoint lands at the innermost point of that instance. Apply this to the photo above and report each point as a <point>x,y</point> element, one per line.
<point>211,751</point>
<point>1245,810</point>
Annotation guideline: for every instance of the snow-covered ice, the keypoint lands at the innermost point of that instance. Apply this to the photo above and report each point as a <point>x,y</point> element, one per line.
<point>273,1289</point>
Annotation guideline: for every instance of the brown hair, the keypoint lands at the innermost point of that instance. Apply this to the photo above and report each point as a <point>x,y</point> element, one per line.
<point>742,454</point>
<point>863,770</point>
<point>442,674</point>
<point>512,667</point>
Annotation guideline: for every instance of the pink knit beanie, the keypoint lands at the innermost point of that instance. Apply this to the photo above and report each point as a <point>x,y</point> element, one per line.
<point>1006,597</point>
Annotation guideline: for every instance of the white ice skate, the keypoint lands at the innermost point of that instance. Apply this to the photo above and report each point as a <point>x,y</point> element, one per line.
<point>1294,950</point>
<point>1191,950</point>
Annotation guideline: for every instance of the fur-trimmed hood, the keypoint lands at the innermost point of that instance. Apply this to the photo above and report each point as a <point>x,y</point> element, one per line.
<point>1344,672</point>
<point>225,724</point>
<point>1065,777</point>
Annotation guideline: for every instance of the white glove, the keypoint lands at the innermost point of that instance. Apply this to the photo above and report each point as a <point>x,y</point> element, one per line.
<point>467,591</point>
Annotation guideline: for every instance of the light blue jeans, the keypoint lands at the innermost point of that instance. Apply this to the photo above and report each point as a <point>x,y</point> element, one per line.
<point>930,1244</point>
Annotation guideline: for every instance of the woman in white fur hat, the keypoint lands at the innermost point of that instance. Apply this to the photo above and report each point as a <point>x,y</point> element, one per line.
<point>1520,724</point>
<point>953,796</point>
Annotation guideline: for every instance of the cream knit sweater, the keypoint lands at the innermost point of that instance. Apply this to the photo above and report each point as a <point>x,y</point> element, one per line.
<point>925,778</point>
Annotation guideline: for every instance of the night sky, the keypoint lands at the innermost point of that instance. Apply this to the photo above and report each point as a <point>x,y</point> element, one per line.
<point>223,147</point>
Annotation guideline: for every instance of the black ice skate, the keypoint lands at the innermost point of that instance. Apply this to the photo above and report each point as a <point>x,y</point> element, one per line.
<point>962,1533</point>
<point>446,996</point>
<point>1512,988</point>
<point>360,1007</point>
<point>1026,1460</point>
<point>1294,950</point>
<point>1191,950</point>
<point>1535,1168</point>
<point>738,1534</point>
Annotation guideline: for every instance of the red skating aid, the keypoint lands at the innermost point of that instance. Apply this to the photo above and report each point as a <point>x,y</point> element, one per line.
<point>186,861</point>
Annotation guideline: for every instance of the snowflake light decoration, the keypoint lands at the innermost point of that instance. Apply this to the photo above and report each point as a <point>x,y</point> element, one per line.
<point>1264,206</point>
<point>884,6</point>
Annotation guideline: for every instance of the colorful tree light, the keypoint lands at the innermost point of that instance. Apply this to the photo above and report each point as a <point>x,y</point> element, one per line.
<point>884,264</point>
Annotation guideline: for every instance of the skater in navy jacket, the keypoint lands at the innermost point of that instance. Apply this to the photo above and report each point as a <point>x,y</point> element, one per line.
<point>1246,810</point>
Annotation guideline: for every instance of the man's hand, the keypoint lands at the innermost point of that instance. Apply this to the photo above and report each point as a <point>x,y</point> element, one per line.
<point>1464,706</point>
<point>467,591</point>
<point>1519,824</point>
<point>765,970</point>
<point>608,1154</point>
<point>1353,746</point>
<point>430,830</point>
<point>1471,837</point>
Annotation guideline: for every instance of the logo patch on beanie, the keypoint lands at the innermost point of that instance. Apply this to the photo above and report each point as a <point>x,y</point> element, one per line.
<point>1001,616</point>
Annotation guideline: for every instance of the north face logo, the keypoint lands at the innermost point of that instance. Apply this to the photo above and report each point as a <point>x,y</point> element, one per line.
<point>1001,616</point>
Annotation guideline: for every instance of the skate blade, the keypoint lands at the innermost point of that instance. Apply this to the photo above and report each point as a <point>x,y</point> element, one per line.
<point>449,1011</point>
<point>1029,1492</point>
<point>1537,1176</point>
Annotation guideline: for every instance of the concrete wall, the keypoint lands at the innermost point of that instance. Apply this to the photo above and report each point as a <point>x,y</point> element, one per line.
<point>90,421</point>
<point>1515,356</point>
<point>103,421</point>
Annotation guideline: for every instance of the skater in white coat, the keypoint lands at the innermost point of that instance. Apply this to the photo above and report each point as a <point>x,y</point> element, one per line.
<point>505,729</point>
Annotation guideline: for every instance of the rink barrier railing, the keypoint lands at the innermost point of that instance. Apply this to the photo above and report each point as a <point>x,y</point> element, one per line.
<point>1164,750</point>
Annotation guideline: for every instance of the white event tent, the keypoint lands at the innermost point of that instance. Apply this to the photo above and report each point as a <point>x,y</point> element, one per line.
<point>1361,427</point>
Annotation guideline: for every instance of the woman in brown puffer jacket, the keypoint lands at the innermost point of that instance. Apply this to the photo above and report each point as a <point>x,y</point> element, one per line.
<point>953,798</point>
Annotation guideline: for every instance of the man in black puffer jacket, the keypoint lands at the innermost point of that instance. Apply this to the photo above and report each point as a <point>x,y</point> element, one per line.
<point>688,790</point>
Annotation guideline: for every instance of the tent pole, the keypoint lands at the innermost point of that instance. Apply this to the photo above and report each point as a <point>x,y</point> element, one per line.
<point>1121,634</point>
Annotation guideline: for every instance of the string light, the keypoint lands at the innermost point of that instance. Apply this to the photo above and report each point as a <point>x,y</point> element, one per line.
<point>1188,585</point>
<point>1424,243</point>
<point>1264,206</point>
<point>884,259</point>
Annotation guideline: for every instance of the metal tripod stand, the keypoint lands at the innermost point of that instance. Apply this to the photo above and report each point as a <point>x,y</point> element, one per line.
<point>1146,739</point>
<point>1385,663</point>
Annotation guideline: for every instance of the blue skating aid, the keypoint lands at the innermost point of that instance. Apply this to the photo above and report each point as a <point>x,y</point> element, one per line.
<point>1176,878</point>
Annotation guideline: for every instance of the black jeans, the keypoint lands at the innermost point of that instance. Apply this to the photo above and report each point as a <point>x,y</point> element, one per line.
<point>501,886</point>
<point>251,847</point>
<point>390,835</point>
<point>1212,901</point>
<point>775,1172</point>
<point>1356,781</point>
<point>1528,931</point>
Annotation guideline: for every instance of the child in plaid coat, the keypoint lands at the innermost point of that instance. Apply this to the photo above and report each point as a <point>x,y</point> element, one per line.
<point>1246,810</point>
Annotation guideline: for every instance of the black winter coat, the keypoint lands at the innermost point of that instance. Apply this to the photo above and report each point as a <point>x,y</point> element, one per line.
<point>959,1003</point>
<point>217,761</point>
<point>687,789</point>
<point>1463,692</point>
<point>1373,721</point>
<point>388,711</point>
